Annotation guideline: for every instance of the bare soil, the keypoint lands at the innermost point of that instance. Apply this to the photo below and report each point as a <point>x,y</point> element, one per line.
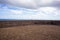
<point>31,32</point>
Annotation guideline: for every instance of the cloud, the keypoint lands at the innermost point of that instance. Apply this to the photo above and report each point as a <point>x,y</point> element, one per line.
<point>16,11</point>
<point>43,13</point>
<point>10,11</point>
<point>32,4</point>
<point>48,10</point>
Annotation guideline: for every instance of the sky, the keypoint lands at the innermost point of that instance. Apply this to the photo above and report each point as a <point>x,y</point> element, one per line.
<point>30,9</point>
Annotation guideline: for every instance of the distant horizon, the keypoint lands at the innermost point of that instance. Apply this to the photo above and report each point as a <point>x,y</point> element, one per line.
<point>25,19</point>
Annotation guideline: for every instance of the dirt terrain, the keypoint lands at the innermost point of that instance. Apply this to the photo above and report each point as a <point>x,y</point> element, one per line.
<point>11,23</point>
<point>31,32</point>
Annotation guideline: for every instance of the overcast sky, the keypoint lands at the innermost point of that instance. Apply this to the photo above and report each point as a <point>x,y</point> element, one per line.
<point>30,9</point>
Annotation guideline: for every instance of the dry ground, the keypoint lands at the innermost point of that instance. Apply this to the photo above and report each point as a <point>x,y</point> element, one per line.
<point>31,32</point>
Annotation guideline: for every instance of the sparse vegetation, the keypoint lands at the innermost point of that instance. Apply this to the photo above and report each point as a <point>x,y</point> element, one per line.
<point>29,30</point>
<point>11,23</point>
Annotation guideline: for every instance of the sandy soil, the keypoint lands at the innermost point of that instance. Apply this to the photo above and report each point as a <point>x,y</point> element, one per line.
<point>31,32</point>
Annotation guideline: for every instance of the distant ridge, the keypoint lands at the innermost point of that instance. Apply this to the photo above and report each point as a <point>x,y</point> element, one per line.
<point>25,19</point>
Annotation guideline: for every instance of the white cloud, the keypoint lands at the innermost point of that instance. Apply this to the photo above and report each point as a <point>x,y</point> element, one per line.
<point>22,3</point>
<point>16,11</point>
<point>48,13</point>
<point>44,2</point>
<point>32,4</point>
<point>48,10</point>
<point>44,13</point>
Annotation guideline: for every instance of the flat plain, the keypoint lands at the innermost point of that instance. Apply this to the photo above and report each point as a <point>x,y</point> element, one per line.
<point>31,32</point>
<point>29,29</point>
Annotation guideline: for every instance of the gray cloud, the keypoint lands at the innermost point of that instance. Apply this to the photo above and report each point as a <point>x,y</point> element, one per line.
<point>32,4</point>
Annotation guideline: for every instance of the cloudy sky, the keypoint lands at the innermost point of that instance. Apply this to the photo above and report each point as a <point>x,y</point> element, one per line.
<point>30,9</point>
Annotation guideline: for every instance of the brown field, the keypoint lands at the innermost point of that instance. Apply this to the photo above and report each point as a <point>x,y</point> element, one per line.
<point>13,23</point>
<point>31,32</point>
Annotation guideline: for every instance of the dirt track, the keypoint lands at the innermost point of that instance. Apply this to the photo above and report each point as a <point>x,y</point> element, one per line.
<point>31,32</point>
